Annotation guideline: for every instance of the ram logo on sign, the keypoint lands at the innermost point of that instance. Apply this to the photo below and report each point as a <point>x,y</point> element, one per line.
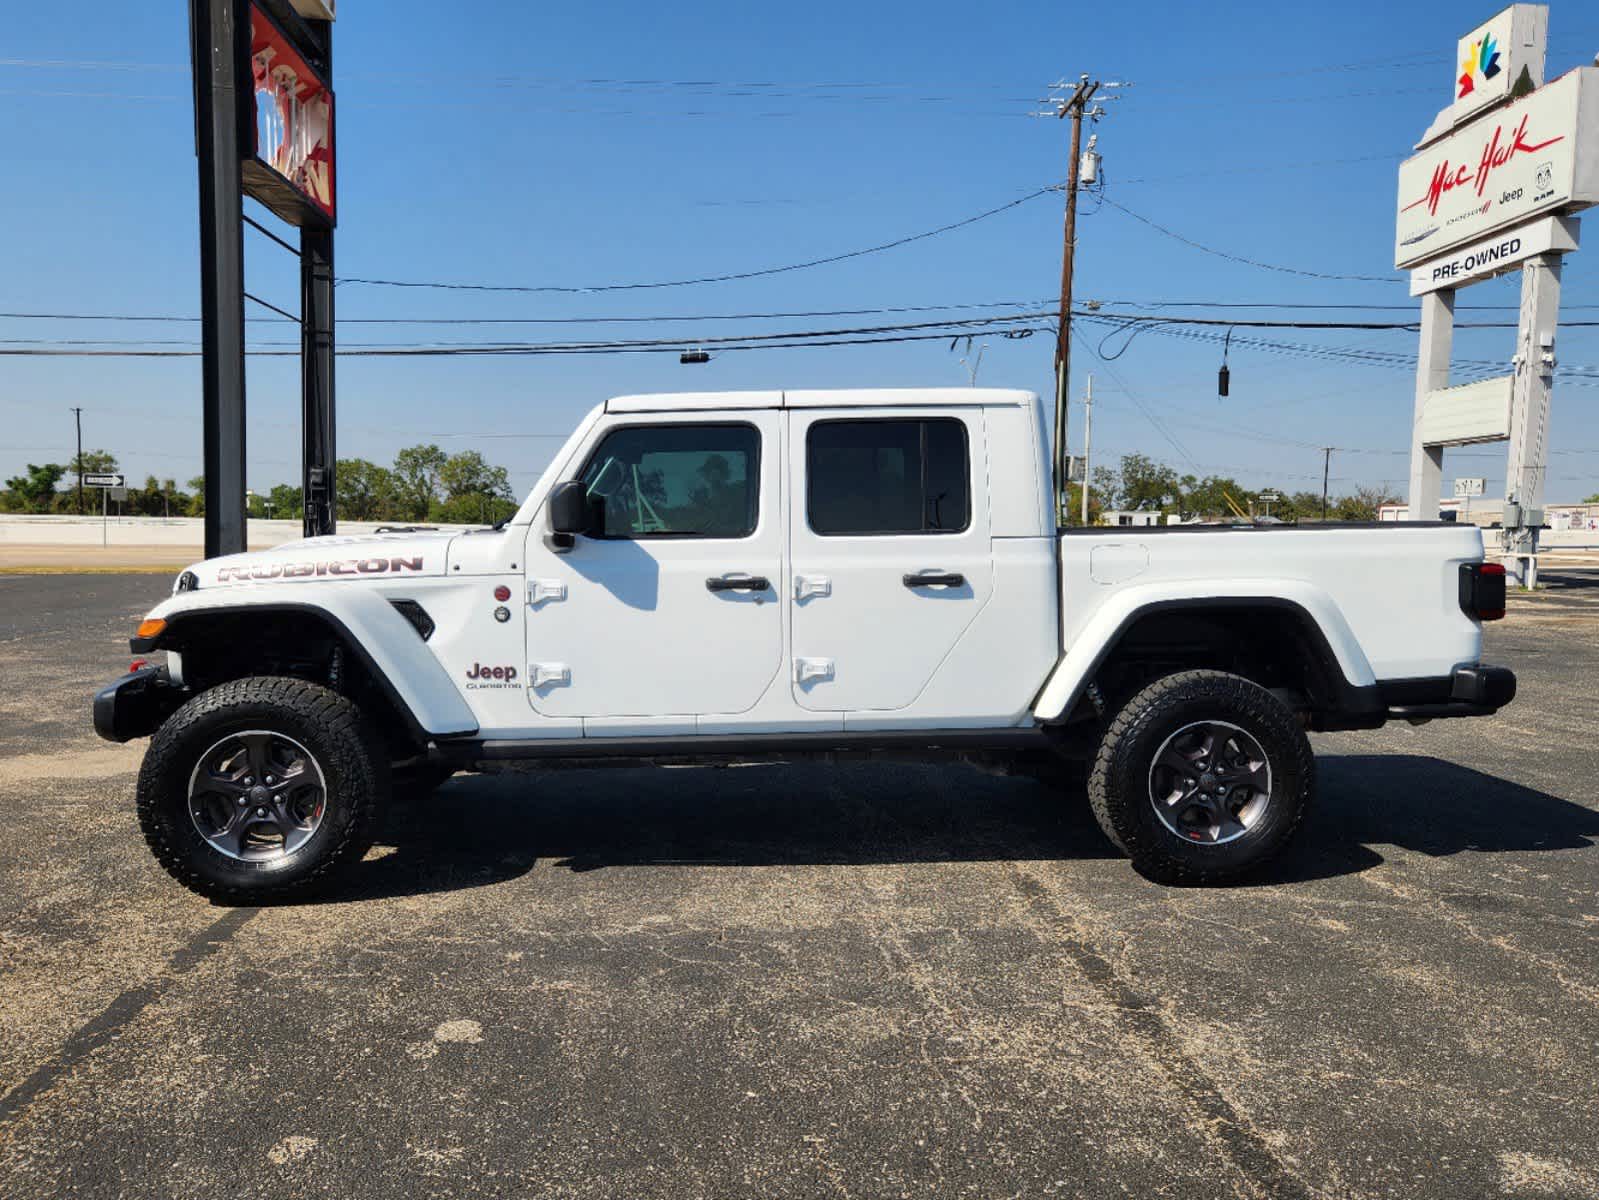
<point>1538,154</point>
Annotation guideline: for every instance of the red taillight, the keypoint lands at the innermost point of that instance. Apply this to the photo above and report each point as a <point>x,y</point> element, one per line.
<point>137,664</point>
<point>1482,590</point>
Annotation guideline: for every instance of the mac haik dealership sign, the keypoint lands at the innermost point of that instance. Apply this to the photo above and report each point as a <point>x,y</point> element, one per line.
<point>292,171</point>
<point>1534,156</point>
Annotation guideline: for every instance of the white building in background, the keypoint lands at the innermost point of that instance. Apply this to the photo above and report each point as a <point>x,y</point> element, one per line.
<point>1560,518</point>
<point>1130,518</point>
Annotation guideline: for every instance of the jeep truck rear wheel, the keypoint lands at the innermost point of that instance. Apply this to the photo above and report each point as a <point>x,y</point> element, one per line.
<point>1201,776</point>
<point>260,788</point>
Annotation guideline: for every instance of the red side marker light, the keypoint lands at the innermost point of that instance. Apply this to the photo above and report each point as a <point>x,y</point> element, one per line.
<point>502,593</point>
<point>137,664</point>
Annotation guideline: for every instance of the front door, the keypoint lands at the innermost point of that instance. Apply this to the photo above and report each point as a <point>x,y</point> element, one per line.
<point>669,608</point>
<point>889,551</point>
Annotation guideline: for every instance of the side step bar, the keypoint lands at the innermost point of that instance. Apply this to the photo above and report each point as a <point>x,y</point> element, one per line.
<point>745,746</point>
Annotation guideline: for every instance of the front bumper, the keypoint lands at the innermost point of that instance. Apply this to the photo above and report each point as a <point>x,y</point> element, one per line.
<point>136,705</point>
<point>1469,691</point>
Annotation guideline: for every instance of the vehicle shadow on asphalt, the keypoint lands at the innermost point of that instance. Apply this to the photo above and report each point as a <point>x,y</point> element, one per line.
<point>478,831</point>
<point>1425,805</point>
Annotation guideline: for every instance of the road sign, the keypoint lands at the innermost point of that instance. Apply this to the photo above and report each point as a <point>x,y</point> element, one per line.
<point>1469,487</point>
<point>105,480</point>
<point>1270,497</point>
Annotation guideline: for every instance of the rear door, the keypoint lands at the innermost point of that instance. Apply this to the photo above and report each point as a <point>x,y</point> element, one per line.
<point>889,544</point>
<point>671,608</point>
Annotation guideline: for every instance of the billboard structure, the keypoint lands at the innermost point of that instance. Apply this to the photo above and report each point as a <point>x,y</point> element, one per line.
<point>292,168</point>
<point>264,127</point>
<point>1492,187</point>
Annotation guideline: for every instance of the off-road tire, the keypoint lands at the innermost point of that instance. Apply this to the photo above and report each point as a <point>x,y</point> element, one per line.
<point>1119,785</point>
<point>327,724</point>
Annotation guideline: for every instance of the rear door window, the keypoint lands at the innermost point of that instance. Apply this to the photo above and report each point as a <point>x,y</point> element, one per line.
<point>884,477</point>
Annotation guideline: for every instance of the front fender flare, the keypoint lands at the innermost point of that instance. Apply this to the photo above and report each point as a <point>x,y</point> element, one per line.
<point>387,644</point>
<point>1100,634</point>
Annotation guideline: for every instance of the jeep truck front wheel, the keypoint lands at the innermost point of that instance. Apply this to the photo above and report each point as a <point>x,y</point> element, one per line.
<point>260,788</point>
<point>1201,776</point>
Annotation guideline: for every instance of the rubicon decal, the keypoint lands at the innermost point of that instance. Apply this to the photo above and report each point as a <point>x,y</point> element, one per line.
<point>480,677</point>
<point>1499,150</point>
<point>308,570</point>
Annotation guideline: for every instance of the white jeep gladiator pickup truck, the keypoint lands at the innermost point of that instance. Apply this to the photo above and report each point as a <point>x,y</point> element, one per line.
<point>750,576</point>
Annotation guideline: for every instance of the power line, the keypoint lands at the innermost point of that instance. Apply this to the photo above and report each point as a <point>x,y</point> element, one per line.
<point>1091,309</point>
<point>726,278</point>
<point>625,320</point>
<point>1238,258</point>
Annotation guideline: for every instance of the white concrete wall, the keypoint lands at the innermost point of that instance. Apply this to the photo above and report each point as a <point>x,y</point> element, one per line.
<point>17,529</point>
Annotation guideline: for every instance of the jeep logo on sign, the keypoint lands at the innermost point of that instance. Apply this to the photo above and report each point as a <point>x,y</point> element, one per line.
<point>490,677</point>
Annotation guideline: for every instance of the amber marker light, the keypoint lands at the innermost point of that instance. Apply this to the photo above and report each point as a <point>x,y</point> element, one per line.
<point>152,627</point>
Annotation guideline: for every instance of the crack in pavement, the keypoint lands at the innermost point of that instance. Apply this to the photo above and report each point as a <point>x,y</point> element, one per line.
<point>119,1013</point>
<point>1245,1148</point>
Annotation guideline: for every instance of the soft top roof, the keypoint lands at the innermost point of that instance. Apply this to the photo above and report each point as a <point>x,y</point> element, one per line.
<point>937,397</point>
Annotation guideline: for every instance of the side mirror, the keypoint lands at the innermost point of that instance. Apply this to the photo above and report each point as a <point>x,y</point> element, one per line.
<point>571,512</point>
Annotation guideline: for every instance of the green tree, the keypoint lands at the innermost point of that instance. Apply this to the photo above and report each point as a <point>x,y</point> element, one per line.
<point>1145,483</point>
<point>469,473</point>
<point>90,462</point>
<point>35,491</point>
<point>416,479</point>
<point>1208,497</point>
<point>1074,505</point>
<point>173,502</point>
<point>474,508</point>
<point>366,491</point>
<point>144,501</point>
<point>196,504</point>
<point>1362,504</point>
<point>1303,506</point>
<point>93,462</point>
<point>1593,499</point>
<point>1105,488</point>
<point>286,502</point>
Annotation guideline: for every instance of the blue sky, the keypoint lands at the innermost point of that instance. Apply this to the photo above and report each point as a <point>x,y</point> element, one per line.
<point>605,143</point>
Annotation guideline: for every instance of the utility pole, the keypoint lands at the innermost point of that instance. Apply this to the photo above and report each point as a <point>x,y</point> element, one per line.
<point>77,415</point>
<point>1088,441</point>
<point>1326,465</point>
<point>1073,108</point>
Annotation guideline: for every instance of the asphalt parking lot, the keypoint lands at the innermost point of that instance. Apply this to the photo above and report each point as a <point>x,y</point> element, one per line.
<point>867,980</point>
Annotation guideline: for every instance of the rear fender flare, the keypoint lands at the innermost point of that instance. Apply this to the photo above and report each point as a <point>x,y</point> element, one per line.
<point>1105,629</point>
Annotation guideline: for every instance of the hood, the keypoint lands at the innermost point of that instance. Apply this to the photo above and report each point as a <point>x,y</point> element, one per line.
<point>373,556</point>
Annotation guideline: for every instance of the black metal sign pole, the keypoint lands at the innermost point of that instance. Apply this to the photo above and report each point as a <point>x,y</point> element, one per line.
<point>316,368</point>
<point>219,29</point>
<point>318,446</point>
